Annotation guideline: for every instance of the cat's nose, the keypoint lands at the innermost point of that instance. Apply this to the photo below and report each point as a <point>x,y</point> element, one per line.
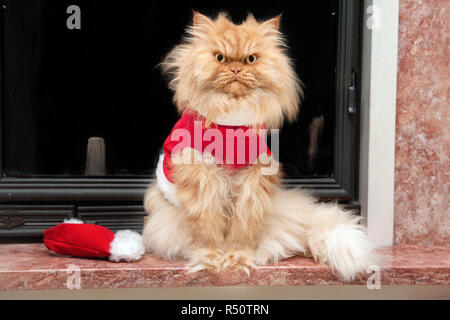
<point>236,68</point>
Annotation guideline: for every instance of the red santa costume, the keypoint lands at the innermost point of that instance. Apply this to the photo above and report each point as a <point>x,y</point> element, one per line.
<point>232,147</point>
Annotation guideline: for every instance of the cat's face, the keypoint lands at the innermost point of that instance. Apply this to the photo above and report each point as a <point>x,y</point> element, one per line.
<point>222,67</point>
<point>235,59</point>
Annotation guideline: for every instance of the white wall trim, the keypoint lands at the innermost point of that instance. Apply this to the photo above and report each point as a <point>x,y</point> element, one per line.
<point>378,107</point>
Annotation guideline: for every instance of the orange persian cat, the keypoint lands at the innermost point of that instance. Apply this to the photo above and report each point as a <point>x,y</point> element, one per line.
<point>229,77</point>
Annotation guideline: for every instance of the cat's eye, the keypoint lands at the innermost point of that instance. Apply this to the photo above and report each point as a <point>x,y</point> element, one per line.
<point>221,58</point>
<point>251,59</point>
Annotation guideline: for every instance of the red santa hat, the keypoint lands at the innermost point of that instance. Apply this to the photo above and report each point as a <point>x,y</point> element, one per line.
<point>78,239</point>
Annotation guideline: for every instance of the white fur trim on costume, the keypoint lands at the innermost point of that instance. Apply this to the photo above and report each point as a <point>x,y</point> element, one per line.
<point>167,188</point>
<point>127,245</point>
<point>73,221</point>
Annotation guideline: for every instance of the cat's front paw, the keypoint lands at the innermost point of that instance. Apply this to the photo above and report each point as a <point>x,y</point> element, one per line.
<point>239,260</point>
<point>206,259</point>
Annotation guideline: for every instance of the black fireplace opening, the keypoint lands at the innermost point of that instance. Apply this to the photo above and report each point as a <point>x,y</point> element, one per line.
<point>85,109</point>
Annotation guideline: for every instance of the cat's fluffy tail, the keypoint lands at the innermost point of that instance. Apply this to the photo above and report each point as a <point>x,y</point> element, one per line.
<point>331,235</point>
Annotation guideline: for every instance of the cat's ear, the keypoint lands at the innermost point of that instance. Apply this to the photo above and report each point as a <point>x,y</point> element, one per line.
<point>201,21</point>
<point>273,23</point>
<point>251,19</point>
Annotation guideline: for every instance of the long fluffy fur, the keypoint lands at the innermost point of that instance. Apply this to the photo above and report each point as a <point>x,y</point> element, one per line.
<point>238,220</point>
<point>299,225</point>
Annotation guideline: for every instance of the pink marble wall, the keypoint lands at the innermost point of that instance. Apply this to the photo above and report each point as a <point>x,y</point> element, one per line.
<point>422,165</point>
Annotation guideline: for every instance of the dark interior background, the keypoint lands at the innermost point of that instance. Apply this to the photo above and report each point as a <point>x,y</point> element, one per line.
<point>63,86</point>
